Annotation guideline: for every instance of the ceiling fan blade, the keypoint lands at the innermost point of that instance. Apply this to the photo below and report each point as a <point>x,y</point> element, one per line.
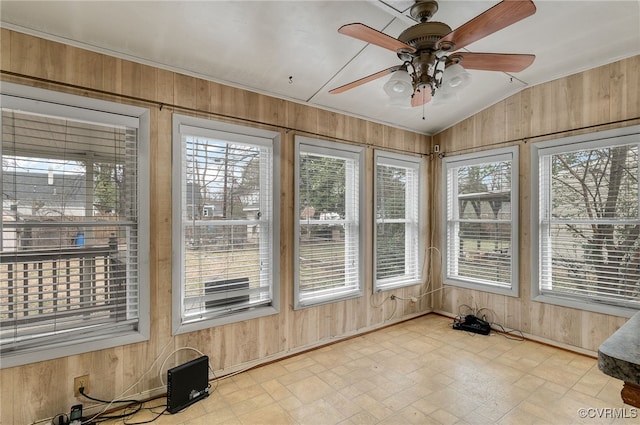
<point>505,62</point>
<point>364,80</point>
<point>500,16</point>
<point>373,36</point>
<point>420,97</point>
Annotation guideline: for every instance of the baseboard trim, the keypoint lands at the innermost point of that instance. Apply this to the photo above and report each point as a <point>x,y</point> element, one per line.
<point>90,411</point>
<point>535,338</point>
<point>243,367</point>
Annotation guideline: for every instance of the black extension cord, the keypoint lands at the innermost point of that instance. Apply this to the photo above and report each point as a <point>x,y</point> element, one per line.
<point>473,324</point>
<point>136,405</point>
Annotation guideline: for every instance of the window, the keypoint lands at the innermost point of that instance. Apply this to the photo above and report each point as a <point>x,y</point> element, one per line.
<point>482,220</point>
<point>587,223</point>
<point>328,200</point>
<point>74,266</point>
<point>397,230</point>
<point>225,223</point>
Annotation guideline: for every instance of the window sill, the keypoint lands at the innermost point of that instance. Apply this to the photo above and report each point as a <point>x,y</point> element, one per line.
<point>484,287</point>
<point>240,316</point>
<point>65,349</point>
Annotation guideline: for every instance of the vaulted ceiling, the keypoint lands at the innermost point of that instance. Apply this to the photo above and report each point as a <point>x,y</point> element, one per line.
<point>292,50</point>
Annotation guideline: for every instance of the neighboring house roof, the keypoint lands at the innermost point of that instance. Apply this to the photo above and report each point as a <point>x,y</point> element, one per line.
<point>503,196</point>
<point>68,191</point>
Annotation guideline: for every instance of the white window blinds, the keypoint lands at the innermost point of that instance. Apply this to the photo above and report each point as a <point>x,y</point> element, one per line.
<point>481,220</point>
<point>328,230</point>
<point>397,238</point>
<point>69,269</point>
<point>589,222</point>
<point>227,215</point>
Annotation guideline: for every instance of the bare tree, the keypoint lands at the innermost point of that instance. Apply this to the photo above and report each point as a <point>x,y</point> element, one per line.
<point>601,186</point>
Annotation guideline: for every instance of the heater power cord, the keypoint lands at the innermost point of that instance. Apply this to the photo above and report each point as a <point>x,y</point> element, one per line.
<point>135,406</point>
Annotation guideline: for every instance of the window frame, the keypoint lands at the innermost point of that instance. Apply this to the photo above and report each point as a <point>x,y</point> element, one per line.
<point>207,127</point>
<point>347,152</point>
<point>477,158</point>
<point>414,195</point>
<point>606,138</point>
<point>73,107</point>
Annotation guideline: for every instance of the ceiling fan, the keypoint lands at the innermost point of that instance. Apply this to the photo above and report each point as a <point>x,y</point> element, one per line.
<point>430,50</point>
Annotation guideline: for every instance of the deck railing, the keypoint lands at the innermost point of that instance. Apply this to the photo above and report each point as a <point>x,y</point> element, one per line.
<point>42,284</point>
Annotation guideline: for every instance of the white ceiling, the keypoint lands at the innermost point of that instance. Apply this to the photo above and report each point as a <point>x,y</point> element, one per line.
<point>292,50</point>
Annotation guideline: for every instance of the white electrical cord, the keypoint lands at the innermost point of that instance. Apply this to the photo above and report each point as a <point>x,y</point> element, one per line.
<point>169,356</point>
<point>88,421</point>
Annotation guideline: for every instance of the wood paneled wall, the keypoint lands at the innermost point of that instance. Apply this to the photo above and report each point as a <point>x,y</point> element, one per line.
<point>599,99</point>
<point>41,390</point>
<point>602,98</point>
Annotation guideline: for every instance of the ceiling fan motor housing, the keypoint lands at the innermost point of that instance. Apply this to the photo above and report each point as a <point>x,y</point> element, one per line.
<point>424,36</point>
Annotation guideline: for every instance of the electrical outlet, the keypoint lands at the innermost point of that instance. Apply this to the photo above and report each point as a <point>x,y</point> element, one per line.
<point>80,381</point>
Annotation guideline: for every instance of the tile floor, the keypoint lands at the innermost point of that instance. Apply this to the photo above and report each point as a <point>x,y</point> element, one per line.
<point>416,372</point>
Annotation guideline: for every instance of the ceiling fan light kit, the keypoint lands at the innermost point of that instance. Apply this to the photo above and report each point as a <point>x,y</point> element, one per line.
<point>455,78</point>
<point>399,85</point>
<point>429,50</point>
<point>399,88</point>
